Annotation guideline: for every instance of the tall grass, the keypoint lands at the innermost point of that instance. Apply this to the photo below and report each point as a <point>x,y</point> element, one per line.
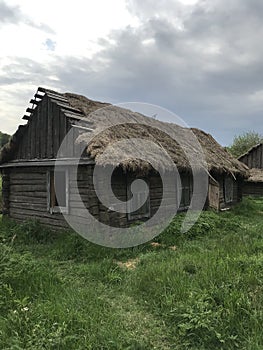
<point>200,290</point>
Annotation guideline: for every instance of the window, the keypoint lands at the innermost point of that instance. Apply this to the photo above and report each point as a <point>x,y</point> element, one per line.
<point>186,191</point>
<point>138,197</point>
<point>57,195</point>
<point>229,189</point>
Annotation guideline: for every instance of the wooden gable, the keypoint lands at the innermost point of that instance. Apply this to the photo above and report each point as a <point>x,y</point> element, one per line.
<point>253,158</point>
<point>48,124</point>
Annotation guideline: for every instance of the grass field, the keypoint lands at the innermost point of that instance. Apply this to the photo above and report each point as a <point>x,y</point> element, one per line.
<point>200,290</point>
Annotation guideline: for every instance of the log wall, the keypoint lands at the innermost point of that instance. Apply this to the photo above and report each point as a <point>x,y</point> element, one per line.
<point>253,189</point>
<point>26,196</point>
<point>237,192</point>
<point>254,159</point>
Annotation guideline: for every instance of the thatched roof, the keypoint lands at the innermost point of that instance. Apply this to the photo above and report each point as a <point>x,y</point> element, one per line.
<point>255,175</point>
<point>135,125</point>
<point>111,124</point>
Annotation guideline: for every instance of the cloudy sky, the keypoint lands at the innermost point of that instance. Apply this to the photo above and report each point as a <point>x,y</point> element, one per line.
<point>202,59</point>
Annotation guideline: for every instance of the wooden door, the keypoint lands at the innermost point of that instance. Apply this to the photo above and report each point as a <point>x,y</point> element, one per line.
<point>213,194</point>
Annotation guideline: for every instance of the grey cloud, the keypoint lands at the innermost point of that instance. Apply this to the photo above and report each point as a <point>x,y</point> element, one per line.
<point>8,13</point>
<point>205,73</point>
<point>180,70</point>
<point>14,15</point>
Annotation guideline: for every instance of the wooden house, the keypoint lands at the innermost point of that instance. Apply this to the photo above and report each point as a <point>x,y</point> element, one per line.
<point>27,162</point>
<point>253,186</point>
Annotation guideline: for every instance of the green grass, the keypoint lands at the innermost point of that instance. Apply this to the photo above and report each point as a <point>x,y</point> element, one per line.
<point>58,291</point>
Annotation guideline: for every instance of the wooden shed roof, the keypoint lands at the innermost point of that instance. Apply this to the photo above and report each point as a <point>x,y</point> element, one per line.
<point>250,151</point>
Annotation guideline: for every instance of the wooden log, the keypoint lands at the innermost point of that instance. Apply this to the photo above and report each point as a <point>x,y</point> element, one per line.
<point>41,89</point>
<point>39,213</point>
<point>26,117</point>
<point>67,108</point>
<point>30,110</point>
<point>34,102</point>
<point>38,96</point>
<point>28,206</point>
<point>50,222</point>
<point>28,188</point>
<point>27,175</point>
<point>27,199</point>
<point>57,97</point>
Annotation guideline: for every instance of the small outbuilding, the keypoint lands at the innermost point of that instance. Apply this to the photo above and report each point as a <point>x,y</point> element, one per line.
<point>27,162</point>
<point>253,158</point>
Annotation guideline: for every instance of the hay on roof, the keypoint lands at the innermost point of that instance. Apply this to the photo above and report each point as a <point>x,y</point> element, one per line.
<point>255,175</point>
<point>112,124</point>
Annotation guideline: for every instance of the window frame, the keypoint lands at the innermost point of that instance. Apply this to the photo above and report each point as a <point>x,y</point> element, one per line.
<point>229,199</point>
<point>189,187</point>
<point>131,215</point>
<point>57,209</point>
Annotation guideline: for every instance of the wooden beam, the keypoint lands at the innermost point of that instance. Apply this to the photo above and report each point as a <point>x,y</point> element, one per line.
<point>39,96</point>
<point>34,102</point>
<point>57,98</point>
<point>30,110</point>
<point>41,89</point>
<point>68,108</point>
<point>26,117</point>
<point>82,127</point>
<point>48,162</point>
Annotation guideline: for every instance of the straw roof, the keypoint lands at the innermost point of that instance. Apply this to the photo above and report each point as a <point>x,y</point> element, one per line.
<point>111,124</point>
<point>181,144</point>
<point>255,175</point>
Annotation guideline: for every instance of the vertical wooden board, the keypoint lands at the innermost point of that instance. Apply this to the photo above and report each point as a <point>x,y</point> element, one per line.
<point>38,132</point>
<point>49,135</point>
<point>258,160</point>
<point>29,139</point>
<point>245,160</point>
<point>41,131</point>
<point>44,129</point>
<point>57,126</point>
<point>76,145</point>
<point>70,146</point>
<point>261,157</point>
<point>33,136</point>
<point>55,131</point>
<point>62,130</point>
<point>251,160</point>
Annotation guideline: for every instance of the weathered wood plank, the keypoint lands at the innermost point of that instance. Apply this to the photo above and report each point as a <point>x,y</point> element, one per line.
<point>27,188</point>
<point>25,199</point>
<point>28,206</point>
<point>27,176</point>
<point>22,182</point>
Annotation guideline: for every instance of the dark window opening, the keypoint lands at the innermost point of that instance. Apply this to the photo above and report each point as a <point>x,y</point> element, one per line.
<point>138,197</point>
<point>229,189</point>
<point>58,191</point>
<point>186,190</point>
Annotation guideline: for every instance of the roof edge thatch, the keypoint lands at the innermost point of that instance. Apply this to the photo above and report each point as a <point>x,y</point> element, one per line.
<point>255,175</point>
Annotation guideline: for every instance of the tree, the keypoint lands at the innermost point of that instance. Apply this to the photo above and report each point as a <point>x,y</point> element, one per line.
<point>4,138</point>
<point>242,143</point>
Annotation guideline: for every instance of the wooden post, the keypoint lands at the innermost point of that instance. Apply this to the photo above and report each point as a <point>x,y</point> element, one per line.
<point>5,192</point>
